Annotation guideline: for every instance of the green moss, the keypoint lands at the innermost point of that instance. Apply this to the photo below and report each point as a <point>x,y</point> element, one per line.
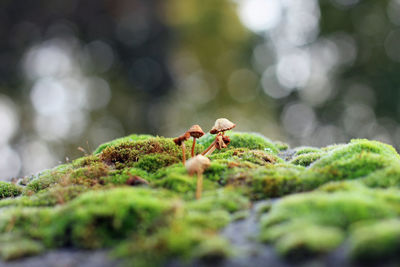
<point>309,240</point>
<point>227,199</point>
<point>88,175</point>
<point>116,142</point>
<point>92,219</point>
<point>85,161</point>
<point>338,209</point>
<point>355,160</point>
<point>306,149</point>
<point>350,189</point>
<point>212,220</point>
<point>376,240</point>
<point>216,170</point>
<point>11,248</point>
<point>192,233</point>
<point>341,186</point>
<point>244,140</point>
<point>281,146</point>
<point>337,206</point>
<point>126,154</point>
<point>275,180</point>
<point>384,178</point>
<point>299,239</point>
<point>9,190</point>
<point>178,183</point>
<point>179,242</point>
<point>56,195</point>
<point>48,177</point>
<point>153,162</point>
<point>306,159</point>
<point>119,177</point>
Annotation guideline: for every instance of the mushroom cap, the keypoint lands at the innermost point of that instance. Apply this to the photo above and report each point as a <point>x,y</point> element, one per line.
<point>222,125</point>
<point>196,131</point>
<point>180,139</point>
<point>197,164</point>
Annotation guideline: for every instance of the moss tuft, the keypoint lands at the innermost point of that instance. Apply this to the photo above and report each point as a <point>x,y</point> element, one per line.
<point>47,178</point>
<point>309,241</point>
<point>244,140</point>
<point>275,181</point>
<point>306,159</point>
<point>11,248</point>
<point>154,162</point>
<point>118,141</point>
<point>376,240</point>
<point>306,150</point>
<point>9,190</point>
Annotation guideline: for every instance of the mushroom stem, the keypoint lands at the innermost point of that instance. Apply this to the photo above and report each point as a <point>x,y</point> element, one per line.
<point>199,187</point>
<point>193,146</point>
<point>210,151</point>
<point>208,148</point>
<point>183,153</point>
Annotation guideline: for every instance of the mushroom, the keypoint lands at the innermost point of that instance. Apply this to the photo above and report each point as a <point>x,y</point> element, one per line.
<point>220,126</point>
<point>195,132</point>
<point>180,141</point>
<point>198,164</point>
<point>136,180</point>
<point>221,141</point>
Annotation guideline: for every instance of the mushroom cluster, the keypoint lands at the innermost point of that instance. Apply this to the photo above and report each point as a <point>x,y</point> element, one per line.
<point>198,163</point>
<point>221,141</point>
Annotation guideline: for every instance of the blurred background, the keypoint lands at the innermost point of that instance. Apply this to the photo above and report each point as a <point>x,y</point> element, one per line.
<point>78,73</point>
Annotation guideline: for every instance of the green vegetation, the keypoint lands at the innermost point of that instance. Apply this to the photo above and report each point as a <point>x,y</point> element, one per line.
<point>9,190</point>
<point>328,196</point>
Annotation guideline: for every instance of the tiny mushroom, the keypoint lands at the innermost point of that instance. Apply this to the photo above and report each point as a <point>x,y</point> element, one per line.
<point>220,127</point>
<point>180,141</point>
<point>195,132</point>
<point>134,180</point>
<point>198,165</point>
<point>221,141</point>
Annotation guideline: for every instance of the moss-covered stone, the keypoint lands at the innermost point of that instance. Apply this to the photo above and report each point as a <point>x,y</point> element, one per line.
<point>330,211</point>
<point>315,200</point>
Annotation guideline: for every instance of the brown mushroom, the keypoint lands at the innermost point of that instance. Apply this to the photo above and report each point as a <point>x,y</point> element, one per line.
<point>221,141</point>
<point>222,125</point>
<point>180,141</point>
<point>196,132</point>
<point>198,165</point>
<point>134,180</point>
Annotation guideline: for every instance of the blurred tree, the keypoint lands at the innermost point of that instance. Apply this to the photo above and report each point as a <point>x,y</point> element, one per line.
<point>369,29</point>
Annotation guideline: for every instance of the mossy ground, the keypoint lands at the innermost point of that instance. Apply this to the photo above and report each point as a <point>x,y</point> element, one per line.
<point>323,198</point>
